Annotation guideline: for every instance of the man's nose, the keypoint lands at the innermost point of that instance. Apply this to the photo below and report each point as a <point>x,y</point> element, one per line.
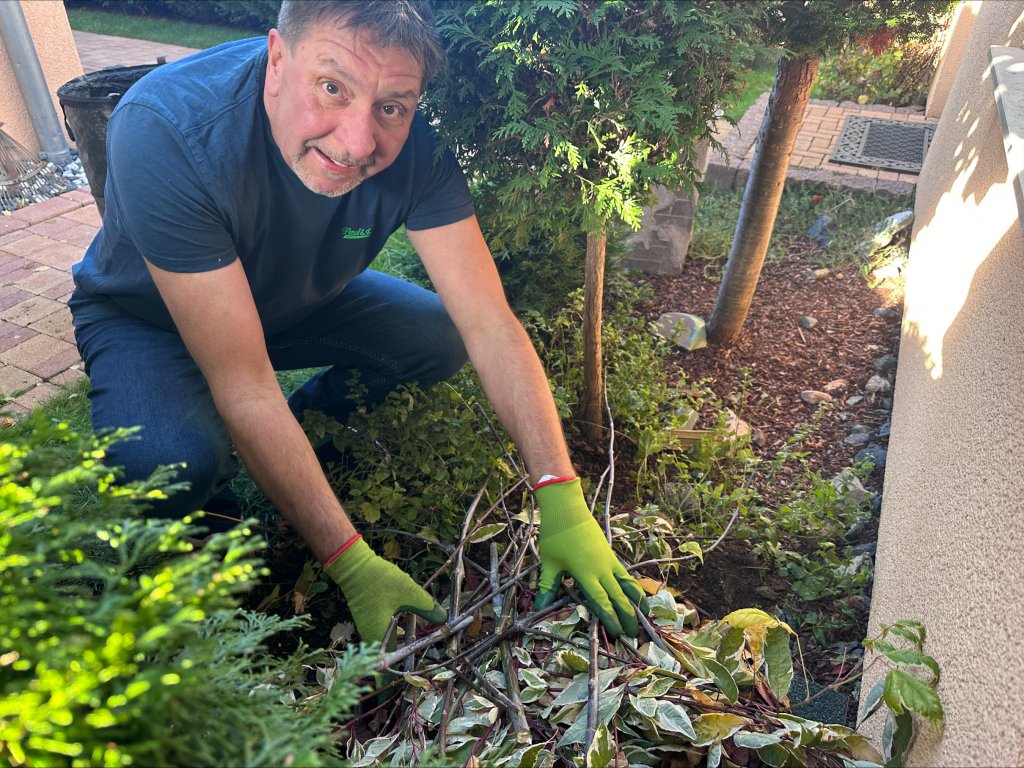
<point>355,132</point>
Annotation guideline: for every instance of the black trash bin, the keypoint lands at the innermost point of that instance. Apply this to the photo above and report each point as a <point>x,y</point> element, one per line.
<point>87,102</point>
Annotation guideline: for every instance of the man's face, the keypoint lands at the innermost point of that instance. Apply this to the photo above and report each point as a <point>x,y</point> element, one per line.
<point>340,108</point>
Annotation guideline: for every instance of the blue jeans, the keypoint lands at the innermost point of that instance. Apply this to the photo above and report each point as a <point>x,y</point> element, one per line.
<point>390,331</point>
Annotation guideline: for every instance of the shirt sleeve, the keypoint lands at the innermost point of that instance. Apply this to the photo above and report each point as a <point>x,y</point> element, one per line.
<point>157,190</point>
<point>442,196</point>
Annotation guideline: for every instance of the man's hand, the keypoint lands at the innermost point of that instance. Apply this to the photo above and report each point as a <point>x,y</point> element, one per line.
<point>376,590</point>
<point>571,542</point>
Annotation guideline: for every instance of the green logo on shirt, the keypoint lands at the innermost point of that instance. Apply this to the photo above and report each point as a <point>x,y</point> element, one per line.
<point>347,233</point>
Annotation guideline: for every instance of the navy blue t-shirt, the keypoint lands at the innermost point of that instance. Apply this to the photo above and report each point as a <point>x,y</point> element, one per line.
<point>195,180</point>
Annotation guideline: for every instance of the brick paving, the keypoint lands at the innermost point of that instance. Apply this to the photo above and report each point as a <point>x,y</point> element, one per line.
<point>40,243</point>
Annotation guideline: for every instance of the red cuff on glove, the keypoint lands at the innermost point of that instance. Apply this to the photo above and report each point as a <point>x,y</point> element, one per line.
<point>344,546</point>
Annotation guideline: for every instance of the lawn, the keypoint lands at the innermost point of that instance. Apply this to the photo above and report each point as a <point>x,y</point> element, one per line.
<point>159,30</point>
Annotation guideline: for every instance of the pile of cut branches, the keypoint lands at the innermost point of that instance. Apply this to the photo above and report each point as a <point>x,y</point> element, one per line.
<point>504,685</point>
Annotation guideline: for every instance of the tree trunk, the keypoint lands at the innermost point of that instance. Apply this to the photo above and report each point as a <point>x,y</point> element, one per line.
<point>593,298</point>
<point>761,196</point>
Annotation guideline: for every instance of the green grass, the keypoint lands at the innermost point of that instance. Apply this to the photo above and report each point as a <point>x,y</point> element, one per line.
<point>158,30</point>
<point>759,80</point>
<point>855,216</point>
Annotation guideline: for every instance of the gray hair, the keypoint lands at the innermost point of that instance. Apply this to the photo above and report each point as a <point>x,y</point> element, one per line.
<point>404,24</point>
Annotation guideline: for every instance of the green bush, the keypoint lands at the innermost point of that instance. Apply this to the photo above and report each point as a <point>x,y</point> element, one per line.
<point>254,15</point>
<point>898,76</point>
<point>120,644</point>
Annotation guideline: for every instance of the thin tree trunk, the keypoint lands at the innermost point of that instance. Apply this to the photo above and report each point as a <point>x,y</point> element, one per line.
<point>761,196</point>
<point>593,296</point>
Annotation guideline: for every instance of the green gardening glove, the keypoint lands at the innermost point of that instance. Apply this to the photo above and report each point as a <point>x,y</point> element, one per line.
<point>571,542</point>
<point>376,590</point>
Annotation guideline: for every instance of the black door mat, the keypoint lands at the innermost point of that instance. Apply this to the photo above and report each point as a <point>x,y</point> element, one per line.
<point>892,145</point>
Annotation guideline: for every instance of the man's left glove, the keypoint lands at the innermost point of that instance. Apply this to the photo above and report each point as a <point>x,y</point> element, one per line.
<point>376,590</point>
<point>571,542</point>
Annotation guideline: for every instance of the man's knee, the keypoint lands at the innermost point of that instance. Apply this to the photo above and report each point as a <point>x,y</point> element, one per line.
<point>203,465</point>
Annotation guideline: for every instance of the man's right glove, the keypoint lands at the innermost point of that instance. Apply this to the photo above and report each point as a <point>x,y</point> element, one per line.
<point>571,542</point>
<point>376,590</point>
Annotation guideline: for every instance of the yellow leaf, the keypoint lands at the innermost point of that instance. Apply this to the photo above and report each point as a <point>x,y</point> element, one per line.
<point>650,586</point>
<point>749,617</point>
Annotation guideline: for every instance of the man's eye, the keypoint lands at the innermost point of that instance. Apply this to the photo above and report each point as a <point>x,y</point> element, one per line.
<point>392,110</point>
<point>332,89</point>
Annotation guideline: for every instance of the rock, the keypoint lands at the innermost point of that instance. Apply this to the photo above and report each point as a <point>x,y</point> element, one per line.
<point>814,397</point>
<point>835,385</point>
<point>683,330</point>
<point>886,362</point>
<point>875,452</point>
<point>767,593</point>
<point>887,313</point>
<point>859,563</point>
<point>869,548</point>
<point>857,438</point>
<point>818,231</point>
<point>859,603</point>
<point>883,431</point>
<point>849,483</point>
<point>822,273</point>
<point>807,322</point>
<point>886,403</point>
<point>855,400</point>
<point>860,428</point>
<point>736,426</point>
<point>877,384</point>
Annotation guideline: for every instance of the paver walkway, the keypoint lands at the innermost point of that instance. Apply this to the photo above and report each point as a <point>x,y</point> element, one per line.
<point>39,243</point>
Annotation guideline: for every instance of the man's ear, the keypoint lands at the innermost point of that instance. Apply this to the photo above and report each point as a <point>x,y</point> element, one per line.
<point>276,50</point>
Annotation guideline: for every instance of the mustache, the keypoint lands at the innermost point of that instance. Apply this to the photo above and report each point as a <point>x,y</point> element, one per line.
<point>344,158</point>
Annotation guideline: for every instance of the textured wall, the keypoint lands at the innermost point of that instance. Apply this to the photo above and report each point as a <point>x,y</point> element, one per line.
<point>959,34</point>
<point>951,549</point>
<point>55,47</point>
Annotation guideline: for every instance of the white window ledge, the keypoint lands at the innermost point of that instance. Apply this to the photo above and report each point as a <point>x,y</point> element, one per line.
<point>1008,82</point>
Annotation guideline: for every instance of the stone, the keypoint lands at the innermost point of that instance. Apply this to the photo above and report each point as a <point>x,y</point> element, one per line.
<point>814,397</point>
<point>868,547</point>
<point>855,400</point>
<point>885,429</point>
<point>847,482</point>
<point>857,438</point>
<point>736,426</point>
<point>859,603</point>
<point>886,362</point>
<point>887,313</point>
<point>683,330</point>
<point>886,403</point>
<point>875,452</point>
<point>836,385</point>
<point>857,564</point>
<point>860,428</point>
<point>822,273</point>
<point>807,322</point>
<point>877,384</point>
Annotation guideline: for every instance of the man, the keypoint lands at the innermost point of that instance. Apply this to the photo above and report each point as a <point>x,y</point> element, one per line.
<point>249,186</point>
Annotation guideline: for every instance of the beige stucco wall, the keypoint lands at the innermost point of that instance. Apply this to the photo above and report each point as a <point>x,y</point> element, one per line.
<point>951,538</point>
<point>953,46</point>
<point>55,47</point>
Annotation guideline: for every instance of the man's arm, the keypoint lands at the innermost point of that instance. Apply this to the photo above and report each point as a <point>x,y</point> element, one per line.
<point>571,542</point>
<point>216,317</point>
<point>460,266</point>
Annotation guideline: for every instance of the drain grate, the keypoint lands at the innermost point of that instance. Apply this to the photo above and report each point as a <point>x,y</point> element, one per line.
<point>873,142</point>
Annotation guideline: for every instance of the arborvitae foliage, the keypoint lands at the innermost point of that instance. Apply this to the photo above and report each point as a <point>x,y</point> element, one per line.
<point>121,644</point>
<point>566,112</point>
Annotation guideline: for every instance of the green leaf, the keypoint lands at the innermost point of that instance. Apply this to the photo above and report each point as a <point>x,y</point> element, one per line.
<point>486,532</point>
<point>572,661</point>
<point>714,756</point>
<point>775,755</point>
<point>646,707</point>
<point>723,679</point>
<point>905,693</point>
<point>674,718</point>
<point>529,758</point>
<point>750,740</point>
<point>608,705</point>
<point>663,606</point>
<point>534,678</point>
<point>779,661</point>
<point>690,548</point>
<point>896,738</point>
<point>658,687</point>
<point>914,659</point>
<point>602,748</point>
<point>717,726</point>
<point>874,699</point>
<point>578,690</point>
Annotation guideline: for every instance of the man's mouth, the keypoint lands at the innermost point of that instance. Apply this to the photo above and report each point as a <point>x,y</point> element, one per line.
<point>340,166</point>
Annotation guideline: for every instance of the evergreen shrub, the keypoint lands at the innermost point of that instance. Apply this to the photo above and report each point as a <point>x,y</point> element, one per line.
<point>121,644</point>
